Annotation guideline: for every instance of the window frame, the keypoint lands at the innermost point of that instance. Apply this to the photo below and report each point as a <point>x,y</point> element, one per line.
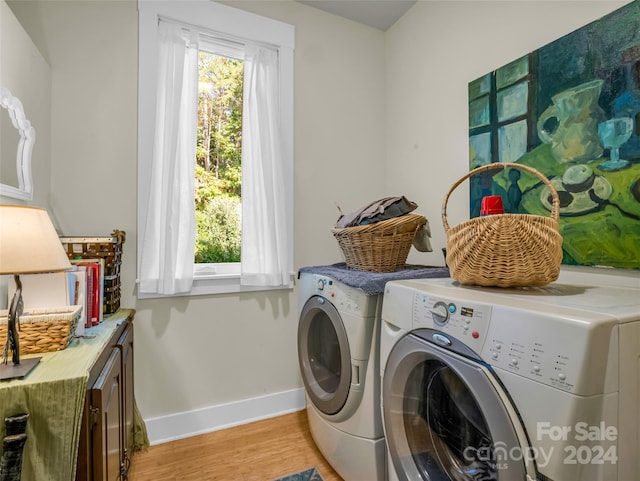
<point>230,24</point>
<point>493,122</point>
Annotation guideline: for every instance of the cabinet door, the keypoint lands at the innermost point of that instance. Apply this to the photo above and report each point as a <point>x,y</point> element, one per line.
<point>106,400</point>
<point>125,343</point>
<point>84,469</point>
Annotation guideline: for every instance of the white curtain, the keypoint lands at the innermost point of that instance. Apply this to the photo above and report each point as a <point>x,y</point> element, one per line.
<point>168,243</point>
<point>265,245</point>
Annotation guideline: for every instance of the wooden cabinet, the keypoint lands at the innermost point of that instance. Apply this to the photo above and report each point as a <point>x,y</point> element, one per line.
<point>107,427</point>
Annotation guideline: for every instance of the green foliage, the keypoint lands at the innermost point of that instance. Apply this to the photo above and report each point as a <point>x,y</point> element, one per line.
<point>218,227</point>
<point>218,159</point>
<point>207,188</point>
<point>219,113</point>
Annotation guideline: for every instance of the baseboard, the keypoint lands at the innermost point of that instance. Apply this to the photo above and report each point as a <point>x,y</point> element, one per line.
<point>183,425</point>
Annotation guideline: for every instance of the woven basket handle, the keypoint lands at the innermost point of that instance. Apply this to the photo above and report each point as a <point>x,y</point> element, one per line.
<point>555,206</point>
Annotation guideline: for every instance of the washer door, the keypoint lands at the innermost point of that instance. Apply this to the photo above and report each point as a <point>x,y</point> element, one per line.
<point>445,418</point>
<point>323,353</point>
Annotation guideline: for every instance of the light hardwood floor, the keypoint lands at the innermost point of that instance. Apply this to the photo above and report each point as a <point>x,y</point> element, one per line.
<point>259,451</point>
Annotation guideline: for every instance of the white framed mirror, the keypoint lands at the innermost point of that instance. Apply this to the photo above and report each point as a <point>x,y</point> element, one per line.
<point>17,136</point>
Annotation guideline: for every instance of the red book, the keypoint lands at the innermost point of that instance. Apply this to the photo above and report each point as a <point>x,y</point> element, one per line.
<point>93,270</point>
<point>96,307</point>
<point>89,293</point>
<point>94,289</point>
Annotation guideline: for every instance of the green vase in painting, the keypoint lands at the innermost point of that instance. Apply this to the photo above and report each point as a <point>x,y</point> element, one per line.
<point>574,116</point>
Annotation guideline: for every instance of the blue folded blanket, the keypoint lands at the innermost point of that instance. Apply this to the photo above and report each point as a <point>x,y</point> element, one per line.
<point>373,283</point>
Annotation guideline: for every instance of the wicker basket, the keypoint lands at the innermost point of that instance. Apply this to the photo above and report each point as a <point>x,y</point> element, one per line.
<point>505,250</point>
<point>107,248</point>
<point>44,330</point>
<point>379,247</point>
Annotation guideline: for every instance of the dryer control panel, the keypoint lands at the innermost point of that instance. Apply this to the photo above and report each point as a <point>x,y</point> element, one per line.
<point>466,321</point>
<point>346,299</point>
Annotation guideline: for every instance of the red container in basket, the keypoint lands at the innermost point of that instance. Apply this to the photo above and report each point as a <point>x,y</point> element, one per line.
<point>491,204</point>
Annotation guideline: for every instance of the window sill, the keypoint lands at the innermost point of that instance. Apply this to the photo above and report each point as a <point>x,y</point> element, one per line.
<point>218,284</point>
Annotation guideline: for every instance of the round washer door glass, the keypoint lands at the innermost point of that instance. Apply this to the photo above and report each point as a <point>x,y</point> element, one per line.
<point>444,419</point>
<point>323,354</point>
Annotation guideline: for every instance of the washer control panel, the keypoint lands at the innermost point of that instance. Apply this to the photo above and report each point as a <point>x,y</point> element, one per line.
<point>538,346</point>
<point>541,335</point>
<point>466,321</point>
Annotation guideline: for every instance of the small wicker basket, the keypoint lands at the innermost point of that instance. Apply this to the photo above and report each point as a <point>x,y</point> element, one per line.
<point>44,330</point>
<point>379,247</point>
<point>505,250</point>
<point>107,248</point>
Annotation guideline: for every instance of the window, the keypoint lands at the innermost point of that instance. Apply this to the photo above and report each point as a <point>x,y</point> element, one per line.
<point>503,133</point>
<point>266,46</point>
<point>218,168</point>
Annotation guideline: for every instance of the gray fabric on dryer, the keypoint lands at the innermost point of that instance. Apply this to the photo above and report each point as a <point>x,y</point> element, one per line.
<point>373,283</point>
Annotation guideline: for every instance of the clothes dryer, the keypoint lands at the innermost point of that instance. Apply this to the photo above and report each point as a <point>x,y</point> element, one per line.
<point>338,336</point>
<point>510,384</point>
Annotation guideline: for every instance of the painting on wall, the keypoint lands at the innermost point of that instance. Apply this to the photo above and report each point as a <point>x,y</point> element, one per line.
<point>571,110</point>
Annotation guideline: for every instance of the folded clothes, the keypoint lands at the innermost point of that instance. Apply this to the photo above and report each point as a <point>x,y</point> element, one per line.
<point>382,209</point>
<point>373,283</point>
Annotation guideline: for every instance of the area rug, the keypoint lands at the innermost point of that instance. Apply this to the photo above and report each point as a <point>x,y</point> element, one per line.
<point>311,474</point>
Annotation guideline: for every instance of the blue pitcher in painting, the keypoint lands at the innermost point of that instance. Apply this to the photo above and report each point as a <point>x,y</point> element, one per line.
<point>574,137</point>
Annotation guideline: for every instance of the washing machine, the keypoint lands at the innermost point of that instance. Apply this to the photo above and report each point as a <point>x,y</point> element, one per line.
<point>510,384</point>
<point>338,335</point>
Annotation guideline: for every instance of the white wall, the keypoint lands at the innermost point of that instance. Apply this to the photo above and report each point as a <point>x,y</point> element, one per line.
<point>25,72</point>
<point>375,114</point>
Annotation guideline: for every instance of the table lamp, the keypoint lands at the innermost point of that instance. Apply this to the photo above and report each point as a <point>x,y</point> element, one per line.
<point>29,244</point>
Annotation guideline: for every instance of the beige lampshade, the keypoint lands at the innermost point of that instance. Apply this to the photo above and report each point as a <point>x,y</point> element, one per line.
<point>29,243</point>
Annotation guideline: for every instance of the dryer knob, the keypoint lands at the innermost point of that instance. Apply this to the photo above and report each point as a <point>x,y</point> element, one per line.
<point>320,285</point>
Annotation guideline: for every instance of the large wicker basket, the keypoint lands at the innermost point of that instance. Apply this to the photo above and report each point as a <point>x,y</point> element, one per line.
<point>505,250</point>
<point>44,330</point>
<point>379,247</point>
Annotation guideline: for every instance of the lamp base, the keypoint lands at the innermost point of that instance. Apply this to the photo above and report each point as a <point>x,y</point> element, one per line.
<point>12,371</point>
